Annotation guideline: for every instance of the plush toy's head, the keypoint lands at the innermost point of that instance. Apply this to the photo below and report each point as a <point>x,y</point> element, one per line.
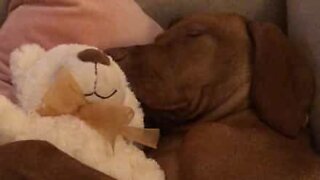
<point>77,91</point>
<point>98,76</point>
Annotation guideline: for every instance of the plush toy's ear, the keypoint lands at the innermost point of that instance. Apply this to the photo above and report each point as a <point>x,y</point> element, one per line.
<point>282,84</point>
<point>24,57</point>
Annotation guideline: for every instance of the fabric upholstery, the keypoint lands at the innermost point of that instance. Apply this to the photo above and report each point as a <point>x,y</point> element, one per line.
<point>304,30</point>
<point>164,11</point>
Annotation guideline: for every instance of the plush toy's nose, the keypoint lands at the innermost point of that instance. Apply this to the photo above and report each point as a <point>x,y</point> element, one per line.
<point>95,56</point>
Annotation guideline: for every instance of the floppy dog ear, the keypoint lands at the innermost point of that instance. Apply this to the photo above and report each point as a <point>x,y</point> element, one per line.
<point>282,84</point>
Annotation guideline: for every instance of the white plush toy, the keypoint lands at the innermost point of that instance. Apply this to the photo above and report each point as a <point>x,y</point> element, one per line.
<point>33,70</point>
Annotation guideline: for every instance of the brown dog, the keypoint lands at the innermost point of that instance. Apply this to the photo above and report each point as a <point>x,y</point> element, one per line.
<point>228,94</point>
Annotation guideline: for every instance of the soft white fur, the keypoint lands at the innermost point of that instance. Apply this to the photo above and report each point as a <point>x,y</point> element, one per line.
<point>33,70</point>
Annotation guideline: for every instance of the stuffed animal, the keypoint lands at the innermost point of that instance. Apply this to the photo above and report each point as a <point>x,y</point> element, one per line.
<point>47,84</point>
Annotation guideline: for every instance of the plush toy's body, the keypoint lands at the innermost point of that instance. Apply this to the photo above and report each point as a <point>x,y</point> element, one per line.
<point>33,70</point>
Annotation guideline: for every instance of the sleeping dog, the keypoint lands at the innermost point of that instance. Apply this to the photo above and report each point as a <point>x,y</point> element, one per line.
<point>231,96</point>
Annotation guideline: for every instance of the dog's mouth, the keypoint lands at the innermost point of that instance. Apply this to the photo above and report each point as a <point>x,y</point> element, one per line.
<point>101,96</point>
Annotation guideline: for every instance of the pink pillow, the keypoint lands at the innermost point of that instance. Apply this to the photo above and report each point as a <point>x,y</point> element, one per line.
<point>101,23</point>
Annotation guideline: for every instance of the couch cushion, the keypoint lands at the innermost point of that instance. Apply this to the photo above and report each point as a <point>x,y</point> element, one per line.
<point>3,5</point>
<point>164,11</point>
<point>304,29</point>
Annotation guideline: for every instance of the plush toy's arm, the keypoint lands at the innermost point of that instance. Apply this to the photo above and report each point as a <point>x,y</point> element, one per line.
<point>13,121</point>
<point>23,58</point>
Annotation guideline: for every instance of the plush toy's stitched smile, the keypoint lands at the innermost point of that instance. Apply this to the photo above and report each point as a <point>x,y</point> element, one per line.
<point>95,87</point>
<point>100,96</point>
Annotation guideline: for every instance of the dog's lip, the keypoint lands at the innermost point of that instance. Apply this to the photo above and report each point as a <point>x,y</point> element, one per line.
<point>172,113</point>
<point>101,96</point>
<point>179,106</point>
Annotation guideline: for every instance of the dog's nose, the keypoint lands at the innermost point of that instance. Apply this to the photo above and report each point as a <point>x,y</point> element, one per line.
<point>95,56</point>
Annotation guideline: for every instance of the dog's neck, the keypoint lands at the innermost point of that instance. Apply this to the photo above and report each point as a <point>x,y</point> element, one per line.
<point>238,101</point>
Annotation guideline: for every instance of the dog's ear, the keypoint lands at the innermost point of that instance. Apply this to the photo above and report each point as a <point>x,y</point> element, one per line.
<point>282,82</point>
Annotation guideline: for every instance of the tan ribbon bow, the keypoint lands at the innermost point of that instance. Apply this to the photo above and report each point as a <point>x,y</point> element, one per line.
<point>65,97</point>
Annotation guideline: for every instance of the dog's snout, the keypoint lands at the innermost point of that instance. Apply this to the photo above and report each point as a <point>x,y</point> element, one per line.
<point>95,56</point>
<point>117,54</point>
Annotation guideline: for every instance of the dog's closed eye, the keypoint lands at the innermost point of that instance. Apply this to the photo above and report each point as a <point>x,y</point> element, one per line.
<point>195,30</point>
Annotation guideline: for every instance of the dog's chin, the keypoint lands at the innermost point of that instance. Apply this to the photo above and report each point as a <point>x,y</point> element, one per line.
<point>164,118</point>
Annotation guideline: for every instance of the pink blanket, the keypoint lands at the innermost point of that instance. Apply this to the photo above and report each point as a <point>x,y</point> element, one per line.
<point>101,23</point>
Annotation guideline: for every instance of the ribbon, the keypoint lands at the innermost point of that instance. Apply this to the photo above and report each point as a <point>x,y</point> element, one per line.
<point>64,97</point>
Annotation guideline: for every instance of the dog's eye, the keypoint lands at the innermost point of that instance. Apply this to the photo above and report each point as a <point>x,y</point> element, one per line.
<point>194,33</point>
<point>195,30</point>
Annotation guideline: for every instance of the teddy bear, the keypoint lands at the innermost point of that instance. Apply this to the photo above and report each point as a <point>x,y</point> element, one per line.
<point>99,80</point>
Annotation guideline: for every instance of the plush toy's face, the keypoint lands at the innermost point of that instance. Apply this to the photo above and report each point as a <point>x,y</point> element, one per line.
<point>35,69</point>
<point>97,76</point>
